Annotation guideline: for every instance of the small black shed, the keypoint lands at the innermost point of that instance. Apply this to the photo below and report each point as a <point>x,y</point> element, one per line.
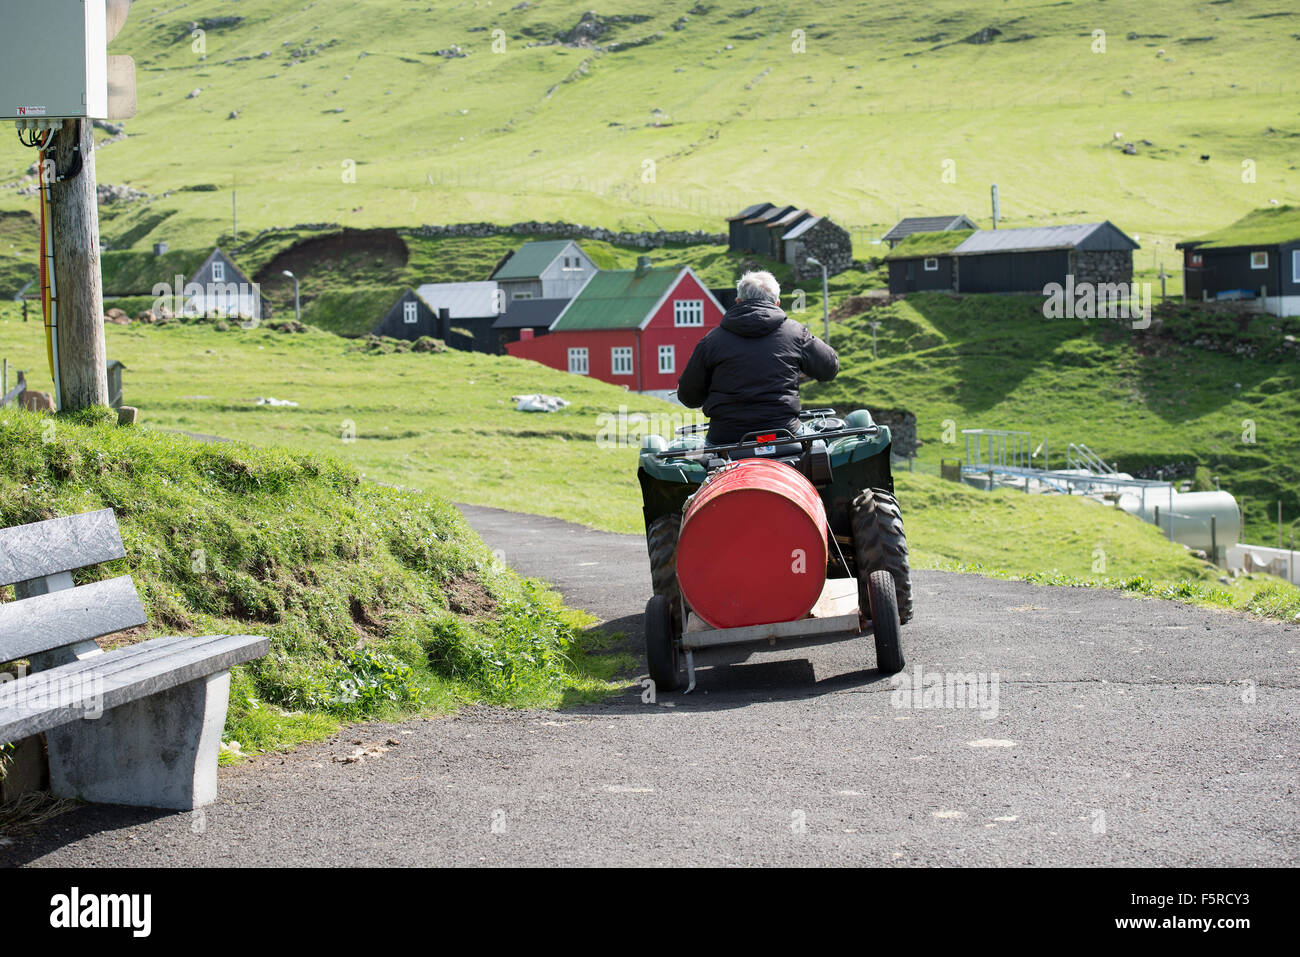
<point>410,318</point>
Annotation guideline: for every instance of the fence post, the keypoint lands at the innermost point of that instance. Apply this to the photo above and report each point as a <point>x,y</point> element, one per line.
<point>1214,539</point>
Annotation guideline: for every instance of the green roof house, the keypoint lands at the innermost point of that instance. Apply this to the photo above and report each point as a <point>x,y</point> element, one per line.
<point>630,327</point>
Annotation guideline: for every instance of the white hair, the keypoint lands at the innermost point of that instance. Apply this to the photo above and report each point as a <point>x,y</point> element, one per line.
<point>758,285</point>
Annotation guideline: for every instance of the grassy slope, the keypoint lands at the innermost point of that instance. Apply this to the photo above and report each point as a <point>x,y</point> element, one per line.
<point>1135,397</point>
<point>361,588</point>
<point>443,422</point>
<point>860,125</point>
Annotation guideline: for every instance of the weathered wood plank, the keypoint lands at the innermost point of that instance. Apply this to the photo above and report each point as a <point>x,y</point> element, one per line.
<point>58,545</point>
<point>66,617</point>
<point>68,693</point>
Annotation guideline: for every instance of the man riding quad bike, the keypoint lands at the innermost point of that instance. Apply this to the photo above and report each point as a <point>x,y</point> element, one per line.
<point>746,374</point>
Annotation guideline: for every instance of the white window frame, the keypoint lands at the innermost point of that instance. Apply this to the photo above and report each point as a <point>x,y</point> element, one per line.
<point>688,312</point>
<point>579,361</point>
<point>1295,265</point>
<point>669,353</point>
<point>1261,265</point>
<point>218,271</point>
<point>620,360</point>
<point>410,312</point>
<point>931,259</point>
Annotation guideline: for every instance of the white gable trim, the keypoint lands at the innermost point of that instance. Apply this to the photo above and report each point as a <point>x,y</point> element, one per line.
<point>686,270</point>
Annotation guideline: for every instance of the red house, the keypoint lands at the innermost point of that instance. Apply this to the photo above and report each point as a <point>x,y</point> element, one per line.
<point>632,327</point>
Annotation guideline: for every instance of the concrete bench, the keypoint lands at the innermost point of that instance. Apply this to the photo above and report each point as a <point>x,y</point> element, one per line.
<point>140,725</point>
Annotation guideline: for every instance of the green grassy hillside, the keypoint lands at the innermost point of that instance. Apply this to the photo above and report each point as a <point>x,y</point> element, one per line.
<point>443,422</point>
<point>378,602</point>
<point>393,113</point>
<point>1142,398</point>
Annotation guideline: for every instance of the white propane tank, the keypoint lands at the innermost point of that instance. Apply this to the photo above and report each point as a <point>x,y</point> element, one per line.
<point>1185,516</point>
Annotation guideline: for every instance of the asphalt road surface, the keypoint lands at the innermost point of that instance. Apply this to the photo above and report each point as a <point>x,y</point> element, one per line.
<point>1111,730</point>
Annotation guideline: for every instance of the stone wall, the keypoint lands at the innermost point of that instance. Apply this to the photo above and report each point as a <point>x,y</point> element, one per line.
<point>1096,266</point>
<point>644,240</point>
<point>902,429</point>
<point>829,244</point>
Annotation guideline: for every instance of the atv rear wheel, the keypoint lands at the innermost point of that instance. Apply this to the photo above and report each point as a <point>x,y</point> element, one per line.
<point>880,545</point>
<point>883,600</point>
<point>661,541</point>
<point>661,652</point>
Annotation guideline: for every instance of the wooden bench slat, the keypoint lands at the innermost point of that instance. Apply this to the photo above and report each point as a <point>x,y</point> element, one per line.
<point>58,545</point>
<point>60,618</point>
<point>32,705</point>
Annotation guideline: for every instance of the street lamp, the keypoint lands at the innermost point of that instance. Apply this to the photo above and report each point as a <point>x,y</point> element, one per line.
<point>826,298</point>
<point>297,304</point>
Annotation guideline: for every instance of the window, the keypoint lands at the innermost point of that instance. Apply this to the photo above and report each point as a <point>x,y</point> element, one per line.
<point>667,360</point>
<point>932,264</point>
<point>578,361</point>
<point>620,360</point>
<point>1259,260</point>
<point>218,271</point>
<point>688,312</point>
<point>1197,260</point>
<point>523,295</point>
<point>1295,265</point>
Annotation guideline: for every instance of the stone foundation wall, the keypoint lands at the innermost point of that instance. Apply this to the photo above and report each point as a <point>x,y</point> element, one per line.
<point>1102,266</point>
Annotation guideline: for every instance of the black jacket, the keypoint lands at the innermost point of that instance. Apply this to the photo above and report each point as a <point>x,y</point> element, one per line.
<point>745,373</point>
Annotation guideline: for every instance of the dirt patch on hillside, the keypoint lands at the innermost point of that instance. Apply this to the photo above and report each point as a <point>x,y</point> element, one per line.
<point>369,253</point>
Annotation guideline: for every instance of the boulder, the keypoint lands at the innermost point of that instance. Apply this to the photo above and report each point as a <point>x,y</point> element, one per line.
<point>34,401</point>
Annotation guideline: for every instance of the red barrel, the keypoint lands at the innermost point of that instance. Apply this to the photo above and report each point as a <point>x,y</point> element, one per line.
<point>753,546</point>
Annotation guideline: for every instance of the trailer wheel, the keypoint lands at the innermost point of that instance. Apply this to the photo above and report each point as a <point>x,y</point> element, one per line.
<point>883,599</point>
<point>661,542</point>
<point>661,652</point>
<point>880,544</point>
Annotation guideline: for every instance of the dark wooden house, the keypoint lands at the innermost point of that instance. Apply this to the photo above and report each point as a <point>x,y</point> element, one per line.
<point>1256,258</point>
<point>459,313</point>
<point>1010,260</point>
<point>926,224</point>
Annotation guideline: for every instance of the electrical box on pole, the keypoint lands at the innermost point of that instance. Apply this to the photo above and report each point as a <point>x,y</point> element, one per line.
<point>56,77</point>
<point>54,61</point>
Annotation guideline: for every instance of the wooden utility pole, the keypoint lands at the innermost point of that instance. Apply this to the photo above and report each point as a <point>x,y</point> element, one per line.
<point>83,379</point>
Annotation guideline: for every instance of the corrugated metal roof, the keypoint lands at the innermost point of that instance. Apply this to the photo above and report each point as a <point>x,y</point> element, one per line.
<point>802,228</point>
<point>927,224</point>
<point>617,299</point>
<point>466,300</point>
<point>790,217</point>
<point>1102,235</point>
<point>530,314</point>
<point>530,260</point>
<point>772,215</point>
<point>749,211</point>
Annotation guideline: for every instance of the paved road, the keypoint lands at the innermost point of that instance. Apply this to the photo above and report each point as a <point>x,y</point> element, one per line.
<point>1124,732</point>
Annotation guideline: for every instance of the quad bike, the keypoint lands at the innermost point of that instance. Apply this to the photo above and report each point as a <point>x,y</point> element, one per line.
<point>778,536</point>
